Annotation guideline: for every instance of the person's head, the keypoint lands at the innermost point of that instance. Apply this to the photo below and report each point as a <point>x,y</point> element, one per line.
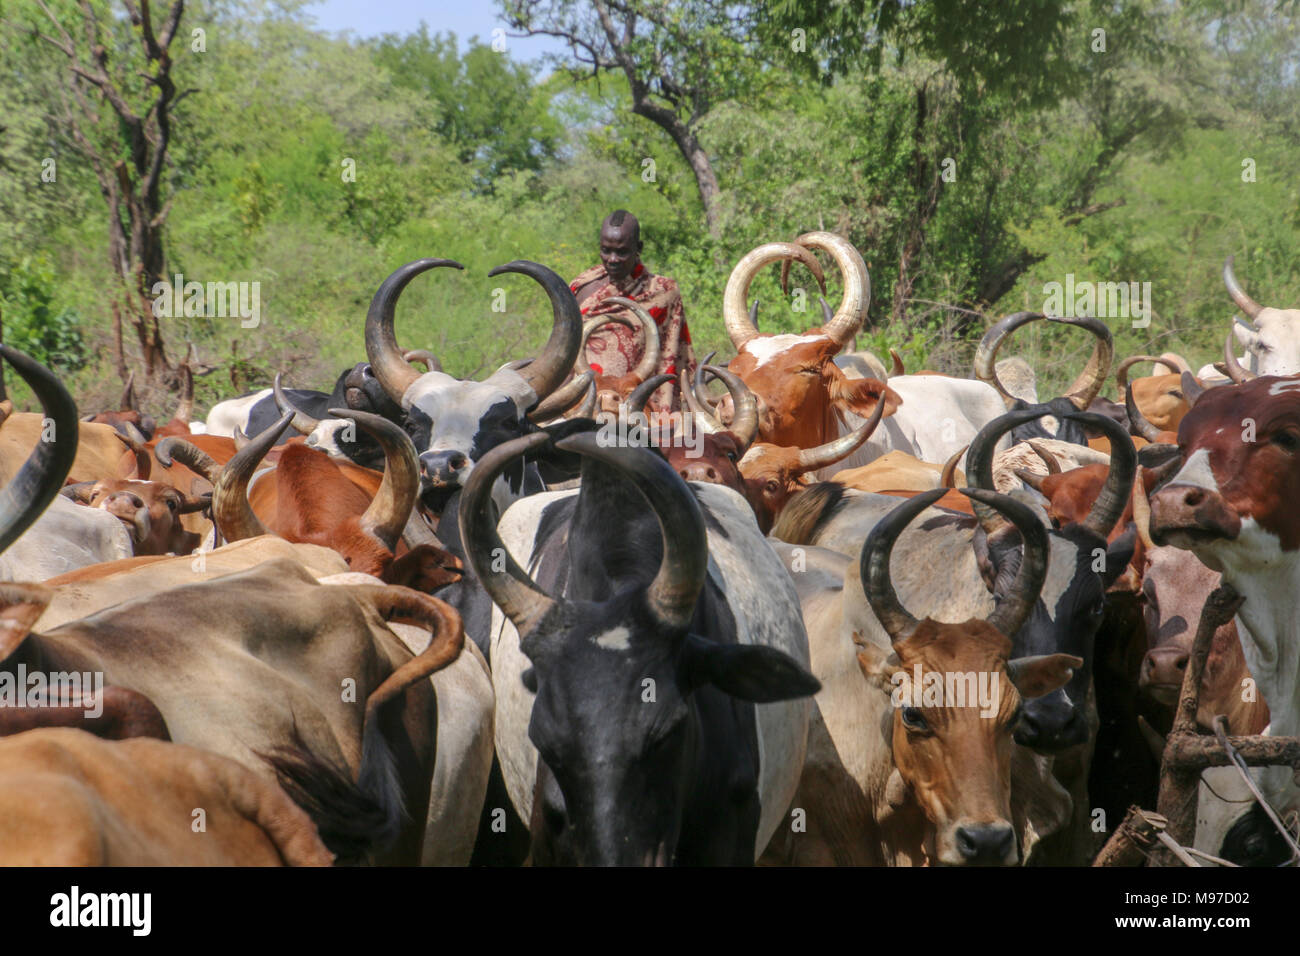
<point>620,244</point>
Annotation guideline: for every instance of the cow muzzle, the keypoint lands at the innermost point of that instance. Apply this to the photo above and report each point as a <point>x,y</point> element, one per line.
<point>1183,515</point>
<point>130,510</point>
<point>443,468</point>
<point>980,844</point>
<point>1051,724</point>
<point>1161,675</point>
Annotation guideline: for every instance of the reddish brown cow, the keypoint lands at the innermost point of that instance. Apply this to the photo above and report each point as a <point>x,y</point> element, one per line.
<point>310,498</point>
<point>802,394</point>
<point>766,474</point>
<point>150,510</point>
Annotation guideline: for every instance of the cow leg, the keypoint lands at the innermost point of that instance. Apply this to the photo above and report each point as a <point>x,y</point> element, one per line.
<point>464,759</point>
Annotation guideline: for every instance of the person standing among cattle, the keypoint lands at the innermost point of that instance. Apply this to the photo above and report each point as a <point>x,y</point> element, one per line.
<point>616,349</point>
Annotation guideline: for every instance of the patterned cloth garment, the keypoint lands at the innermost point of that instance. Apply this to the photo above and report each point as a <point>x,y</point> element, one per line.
<point>616,349</point>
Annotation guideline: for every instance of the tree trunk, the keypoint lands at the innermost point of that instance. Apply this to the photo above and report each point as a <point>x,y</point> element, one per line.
<point>706,181</point>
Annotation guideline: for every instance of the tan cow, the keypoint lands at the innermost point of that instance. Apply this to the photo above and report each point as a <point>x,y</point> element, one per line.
<point>894,780</point>
<point>895,471</point>
<point>68,798</point>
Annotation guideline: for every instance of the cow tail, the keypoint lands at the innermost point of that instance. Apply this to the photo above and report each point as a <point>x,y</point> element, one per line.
<point>807,512</point>
<point>356,821</point>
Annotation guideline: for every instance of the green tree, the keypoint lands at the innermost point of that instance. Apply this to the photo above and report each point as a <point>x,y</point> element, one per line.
<point>482,102</point>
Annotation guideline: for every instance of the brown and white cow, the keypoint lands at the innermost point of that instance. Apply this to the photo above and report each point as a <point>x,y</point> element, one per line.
<point>1232,504</point>
<point>803,397</point>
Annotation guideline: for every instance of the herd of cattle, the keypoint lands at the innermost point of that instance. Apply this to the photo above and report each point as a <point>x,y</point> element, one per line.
<point>865,617</point>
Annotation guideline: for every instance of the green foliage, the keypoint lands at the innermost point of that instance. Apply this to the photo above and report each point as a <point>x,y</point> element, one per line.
<point>33,323</point>
<point>482,103</point>
<point>315,165</point>
<point>1005,48</point>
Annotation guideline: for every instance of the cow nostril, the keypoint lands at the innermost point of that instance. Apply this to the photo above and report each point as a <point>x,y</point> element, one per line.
<point>1181,662</point>
<point>1194,496</point>
<point>712,475</point>
<point>984,844</point>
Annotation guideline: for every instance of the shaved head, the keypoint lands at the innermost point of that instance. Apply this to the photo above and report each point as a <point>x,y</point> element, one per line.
<point>622,221</point>
<point>620,244</point>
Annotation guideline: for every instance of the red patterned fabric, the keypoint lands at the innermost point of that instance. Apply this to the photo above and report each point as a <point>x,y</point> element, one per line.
<point>616,350</point>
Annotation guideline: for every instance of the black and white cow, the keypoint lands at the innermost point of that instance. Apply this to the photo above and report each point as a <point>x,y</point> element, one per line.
<point>356,388</point>
<point>454,422</point>
<point>1082,395</point>
<point>656,620</point>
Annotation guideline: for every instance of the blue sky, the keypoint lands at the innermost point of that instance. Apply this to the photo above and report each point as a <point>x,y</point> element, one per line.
<point>465,18</point>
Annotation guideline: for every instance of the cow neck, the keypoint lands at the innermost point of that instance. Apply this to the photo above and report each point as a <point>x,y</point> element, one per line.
<point>614,538</point>
<point>1271,635</point>
<point>39,652</point>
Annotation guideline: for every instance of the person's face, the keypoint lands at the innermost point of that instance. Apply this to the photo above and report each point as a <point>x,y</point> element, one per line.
<point>618,251</point>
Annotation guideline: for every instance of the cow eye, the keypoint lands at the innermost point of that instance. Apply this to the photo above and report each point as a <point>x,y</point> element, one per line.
<point>1288,441</point>
<point>171,504</point>
<point>731,456</point>
<point>913,719</point>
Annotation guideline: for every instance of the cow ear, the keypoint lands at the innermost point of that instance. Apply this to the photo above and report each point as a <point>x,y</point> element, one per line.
<point>860,395</point>
<point>20,606</point>
<point>879,664</point>
<point>746,671</point>
<point>1037,676</point>
<point>1118,555</point>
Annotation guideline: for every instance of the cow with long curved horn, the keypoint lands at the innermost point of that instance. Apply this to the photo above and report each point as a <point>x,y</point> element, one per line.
<point>1068,616</point>
<point>804,399</point>
<point>454,421</point>
<point>1078,397</point>
<point>603,779</point>
<point>948,761</point>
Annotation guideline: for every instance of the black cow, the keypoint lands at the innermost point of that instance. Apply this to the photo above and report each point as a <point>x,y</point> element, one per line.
<point>645,665</point>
